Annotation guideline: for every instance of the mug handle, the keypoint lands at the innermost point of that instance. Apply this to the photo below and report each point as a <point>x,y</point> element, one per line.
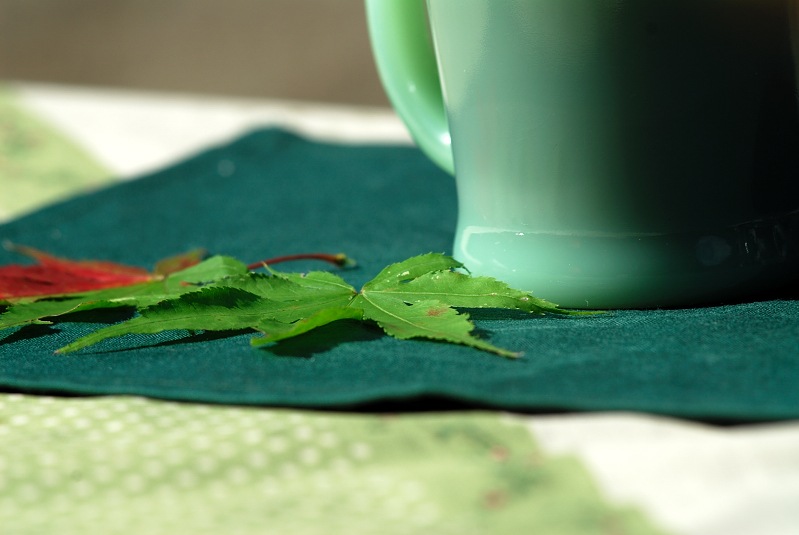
<point>407,66</point>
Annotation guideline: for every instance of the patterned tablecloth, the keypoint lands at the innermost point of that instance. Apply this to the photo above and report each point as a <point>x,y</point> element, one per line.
<point>130,465</point>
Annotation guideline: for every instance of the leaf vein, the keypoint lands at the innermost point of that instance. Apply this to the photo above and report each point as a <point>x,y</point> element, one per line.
<point>407,321</point>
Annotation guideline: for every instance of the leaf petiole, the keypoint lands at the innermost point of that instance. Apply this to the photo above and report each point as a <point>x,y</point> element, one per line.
<point>340,260</point>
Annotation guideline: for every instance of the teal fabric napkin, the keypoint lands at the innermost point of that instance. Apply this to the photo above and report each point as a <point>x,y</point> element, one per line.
<point>272,193</point>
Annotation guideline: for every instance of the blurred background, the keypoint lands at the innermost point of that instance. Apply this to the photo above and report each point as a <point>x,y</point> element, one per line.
<point>312,50</point>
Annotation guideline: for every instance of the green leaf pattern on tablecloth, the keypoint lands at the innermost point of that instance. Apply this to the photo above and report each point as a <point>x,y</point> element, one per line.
<point>38,164</point>
<point>126,465</point>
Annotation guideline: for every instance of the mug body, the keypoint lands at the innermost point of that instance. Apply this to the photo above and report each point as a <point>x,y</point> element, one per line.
<point>623,153</point>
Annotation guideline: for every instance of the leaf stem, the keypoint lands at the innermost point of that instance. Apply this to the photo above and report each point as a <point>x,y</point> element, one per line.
<point>339,260</point>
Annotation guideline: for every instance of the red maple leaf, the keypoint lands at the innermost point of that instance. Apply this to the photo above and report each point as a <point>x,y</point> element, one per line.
<point>57,276</point>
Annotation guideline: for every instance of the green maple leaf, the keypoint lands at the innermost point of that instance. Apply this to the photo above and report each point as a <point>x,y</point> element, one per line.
<point>410,299</point>
<point>251,301</point>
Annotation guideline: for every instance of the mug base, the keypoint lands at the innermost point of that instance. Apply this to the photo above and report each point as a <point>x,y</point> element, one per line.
<point>585,270</point>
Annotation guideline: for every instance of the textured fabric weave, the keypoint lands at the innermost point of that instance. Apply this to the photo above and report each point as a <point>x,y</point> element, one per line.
<point>272,193</point>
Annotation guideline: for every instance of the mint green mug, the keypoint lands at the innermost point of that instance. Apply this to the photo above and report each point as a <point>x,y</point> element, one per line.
<point>608,153</point>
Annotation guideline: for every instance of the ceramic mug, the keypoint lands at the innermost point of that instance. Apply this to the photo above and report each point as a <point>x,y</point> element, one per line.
<point>607,153</point>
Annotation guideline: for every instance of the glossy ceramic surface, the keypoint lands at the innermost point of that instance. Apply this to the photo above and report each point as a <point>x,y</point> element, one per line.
<point>608,153</point>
